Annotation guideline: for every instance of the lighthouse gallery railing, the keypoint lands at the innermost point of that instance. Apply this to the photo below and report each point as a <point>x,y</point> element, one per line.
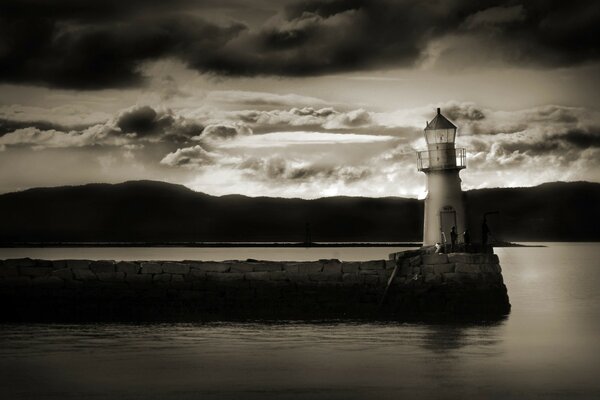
<point>429,159</point>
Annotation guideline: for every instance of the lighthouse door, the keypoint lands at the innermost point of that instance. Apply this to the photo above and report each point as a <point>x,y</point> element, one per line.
<point>447,221</point>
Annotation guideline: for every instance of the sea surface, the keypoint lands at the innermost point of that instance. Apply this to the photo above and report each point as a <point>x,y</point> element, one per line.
<point>547,348</point>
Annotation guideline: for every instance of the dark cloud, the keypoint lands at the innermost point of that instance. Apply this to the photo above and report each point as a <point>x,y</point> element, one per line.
<point>140,120</point>
<point>8,125</point>
<point>580,138</point>
<point>85,53</point>
<point>464,112</point>
<point>145,121</point>
<point>92,45</point>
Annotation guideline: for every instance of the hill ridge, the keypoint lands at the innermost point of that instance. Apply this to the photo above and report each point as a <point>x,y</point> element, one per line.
<point>155,211</point>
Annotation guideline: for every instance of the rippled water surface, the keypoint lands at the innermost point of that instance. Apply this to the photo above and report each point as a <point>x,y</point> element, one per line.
<point>548,347</point>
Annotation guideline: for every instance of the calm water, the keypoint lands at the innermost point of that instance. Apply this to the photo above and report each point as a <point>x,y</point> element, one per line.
<point>203,253</point>
<point>549,346</point>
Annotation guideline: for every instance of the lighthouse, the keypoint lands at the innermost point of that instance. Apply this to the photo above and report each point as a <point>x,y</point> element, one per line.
<point>442,162</point>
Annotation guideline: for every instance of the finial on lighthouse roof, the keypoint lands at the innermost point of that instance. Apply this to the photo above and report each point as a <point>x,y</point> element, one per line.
<point>440,122</point>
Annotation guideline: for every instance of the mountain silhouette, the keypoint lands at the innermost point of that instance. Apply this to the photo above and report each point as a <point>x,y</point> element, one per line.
<point>158,212</point>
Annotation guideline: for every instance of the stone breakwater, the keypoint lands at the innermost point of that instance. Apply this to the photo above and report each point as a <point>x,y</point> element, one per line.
<point>421,285</point>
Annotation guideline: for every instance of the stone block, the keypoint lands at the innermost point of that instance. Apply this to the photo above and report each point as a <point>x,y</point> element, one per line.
<point>50,282</point>
<point>224,277</point>
<point>486,268</point>
<point>470,277</point>
<point>19,262</point>
<point>372,265</point>
<point>428,269</point>
<point>241,267</point>
<point>16,281</point>
<point>310,267</point>
<point>434,259</point>
<point>451,277</point>
<point>267,267</point>
<point>175,268</point>
<point>196,275</point>
<point>102,266</point>
<point>138,279</point>
<point>474,258</point>
<point>492,277</point>
<point>415,261</point>
<point>384,275</point>
<point>368,279</point>
<point>416,270</point>
<point>211,266</point>
<point>463,258</point>
<point>321,277</point>
<point>59,264</point>
<point>78,264</point>
<point>6,271</point>
<point>390,264</point>
<point>178,282</point>
<point>405,270</point>
<point>350,267</point>
<point>257,276</point>
<point>278,276</point>
<point>73,284</point>
<point>332,268</point>
<point>84,275</point>
<point>350,277</point>
<point>443,268</point>
<point>43,263</point>
<point>467,268</point>
<point>151,268</point>
<point>35,271</point>
<point>161,278</point>
<point>128,268</point>
<point>368,272</point>
<point>111,276</point>
<point>433,278</point>
<point>63,273</point>
<point>291,267</point>
<point>297,276</point>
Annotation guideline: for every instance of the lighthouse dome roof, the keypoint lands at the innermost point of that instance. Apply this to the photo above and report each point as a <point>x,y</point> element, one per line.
<point>439,122</point>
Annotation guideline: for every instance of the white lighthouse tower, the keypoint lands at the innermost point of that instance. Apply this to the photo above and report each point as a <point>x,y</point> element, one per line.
<point>442,162</point>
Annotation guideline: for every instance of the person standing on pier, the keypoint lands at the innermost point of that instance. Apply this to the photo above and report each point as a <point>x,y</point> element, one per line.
<point>485,231</point>
<point>453,238</point>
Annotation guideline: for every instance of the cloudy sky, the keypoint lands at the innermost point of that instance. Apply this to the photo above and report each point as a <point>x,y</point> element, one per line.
<point>296,98</point>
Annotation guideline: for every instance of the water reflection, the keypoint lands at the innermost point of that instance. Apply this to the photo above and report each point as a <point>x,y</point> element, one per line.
<point>446,338</point>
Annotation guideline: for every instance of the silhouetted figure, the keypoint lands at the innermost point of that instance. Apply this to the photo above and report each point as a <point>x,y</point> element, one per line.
<point>453,237</point>
<point>444,242</point>
<point>307,238</point>
<point>467,240</point>
<point>485,231</point>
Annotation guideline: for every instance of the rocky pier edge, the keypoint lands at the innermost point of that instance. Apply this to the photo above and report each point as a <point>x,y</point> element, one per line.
<point>454,286</point>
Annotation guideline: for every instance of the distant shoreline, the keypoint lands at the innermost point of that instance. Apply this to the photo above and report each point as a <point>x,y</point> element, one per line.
<point>231,244</point>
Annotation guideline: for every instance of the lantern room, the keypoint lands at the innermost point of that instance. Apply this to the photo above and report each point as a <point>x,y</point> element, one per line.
<point>440,130</point>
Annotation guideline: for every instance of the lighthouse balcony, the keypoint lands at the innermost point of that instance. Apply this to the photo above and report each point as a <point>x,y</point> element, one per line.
<point>433,160</point>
